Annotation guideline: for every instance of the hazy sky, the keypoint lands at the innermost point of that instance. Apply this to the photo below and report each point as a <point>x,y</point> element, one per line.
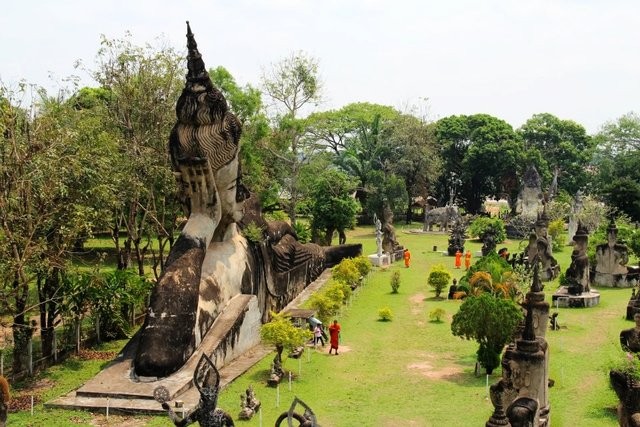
<point>578,60</point>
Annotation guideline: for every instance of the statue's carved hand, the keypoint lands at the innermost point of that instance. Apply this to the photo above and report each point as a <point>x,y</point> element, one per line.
<point>200,190</point>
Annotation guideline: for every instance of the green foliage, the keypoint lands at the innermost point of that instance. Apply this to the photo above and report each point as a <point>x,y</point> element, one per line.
<point>347,272</point>
<point>277,215</point>
<point>482,156</point>
<point>481,226</point>
<point>628,364</point>
<point>493,264</point>
<point>363,265</point>
<point>253,232</point>
<point>488,320</point>
<point>333,206</point>
<point>556,231</point>
<point>395,282</point>
<point>439,278</point>
<point>338,291</point>
<point>325,307</point>
<point>436,315</point>
<point>634,243</point>
<point>303,231</point>
<point>385,314</point>
<point>282,333</point>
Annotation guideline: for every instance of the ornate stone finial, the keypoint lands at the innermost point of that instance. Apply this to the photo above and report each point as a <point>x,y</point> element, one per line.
<point>197,72</point>
<point>612,227</point>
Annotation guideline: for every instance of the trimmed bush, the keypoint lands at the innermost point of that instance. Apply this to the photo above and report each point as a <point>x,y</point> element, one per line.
<point>385,314</point>
<point>439,278</point>
<point>347,272</point>
<point>395,282</point>
<point>436,315</point>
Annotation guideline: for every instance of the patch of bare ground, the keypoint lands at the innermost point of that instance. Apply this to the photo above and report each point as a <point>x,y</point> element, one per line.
<point>417,303</point>
<point>21,400</point>
<point>427,369</point>
<point>119,420</point>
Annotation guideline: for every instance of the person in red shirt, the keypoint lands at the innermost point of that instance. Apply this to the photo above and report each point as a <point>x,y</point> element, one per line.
<point>458,259</point>
<point>407,258</point>
<point>334,336</point>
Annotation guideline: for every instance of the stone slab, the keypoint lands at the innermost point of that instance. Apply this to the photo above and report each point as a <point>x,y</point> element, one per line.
<point>380,261</point>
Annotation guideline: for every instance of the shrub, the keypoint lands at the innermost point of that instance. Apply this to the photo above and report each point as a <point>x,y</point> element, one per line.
<point>253,233</point>
<point>439,278</point>
<point>395,282</point>
<point>483,225</point>
<point>347,272</point>
<point>338,292</point>
<point>276,216</point>
<point>385,314</point>
<point>556,230</point>
<point>303,232</point>
<point>363,265</point>
<point>325,307</point>
<point>436,315</point>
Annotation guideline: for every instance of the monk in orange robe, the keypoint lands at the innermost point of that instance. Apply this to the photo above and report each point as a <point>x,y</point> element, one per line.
<point>458,259</point>
<point>334,336</point>
<point>467,260</point>
<point>407,257</point>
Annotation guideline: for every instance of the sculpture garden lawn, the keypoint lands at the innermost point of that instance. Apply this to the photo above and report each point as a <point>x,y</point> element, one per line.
<point>412,372</point>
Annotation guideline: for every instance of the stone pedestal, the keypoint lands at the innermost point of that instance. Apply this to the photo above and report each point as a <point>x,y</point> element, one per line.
<point>380,261</point>
<point>562,298</point>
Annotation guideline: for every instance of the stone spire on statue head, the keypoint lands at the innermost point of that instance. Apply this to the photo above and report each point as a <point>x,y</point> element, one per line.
<point>197,73</point>
<point>612,227</point>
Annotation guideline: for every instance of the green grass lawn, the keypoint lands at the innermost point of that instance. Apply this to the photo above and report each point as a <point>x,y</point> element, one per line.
<point>409,371</point>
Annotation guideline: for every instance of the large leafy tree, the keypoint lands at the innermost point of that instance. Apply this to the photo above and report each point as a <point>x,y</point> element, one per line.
<point>143,83</point>
<point>617,165</point>
<point>418,161</point>
<point>333,206</point>
<point>291,85</point>
<point>560,145</point>
<point>52,169</point>
<point>481,156</point>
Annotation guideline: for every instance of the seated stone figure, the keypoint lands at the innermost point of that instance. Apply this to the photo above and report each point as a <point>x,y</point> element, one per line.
<point>211,262</point>
<point>611,259</point>
<point>577,274</point>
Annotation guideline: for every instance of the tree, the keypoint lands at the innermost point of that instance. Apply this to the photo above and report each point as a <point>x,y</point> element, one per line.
<point>482,156</point>
<point>52,175</point>
<point>291,84</point>
<point>333,206</point>
<point>563,145</point>
<point>418,161</point>
<point>491,322</point>
<point>144,83</point>
<point>439,278</point>
<point>282,333</point>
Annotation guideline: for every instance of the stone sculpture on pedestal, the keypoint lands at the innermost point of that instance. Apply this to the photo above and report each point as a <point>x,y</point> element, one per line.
<point>521,397</point>
<point>457,238</point>
<point>611,260</point>
<point>577,292</point>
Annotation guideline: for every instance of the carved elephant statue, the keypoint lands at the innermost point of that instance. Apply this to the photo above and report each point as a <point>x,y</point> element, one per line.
<point>444,217</point>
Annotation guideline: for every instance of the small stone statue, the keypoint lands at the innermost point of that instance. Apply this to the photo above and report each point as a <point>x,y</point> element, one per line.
<point>249,404</point>
<point>207,379</point>
<point>378,226</point>
<point>276,371</point>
